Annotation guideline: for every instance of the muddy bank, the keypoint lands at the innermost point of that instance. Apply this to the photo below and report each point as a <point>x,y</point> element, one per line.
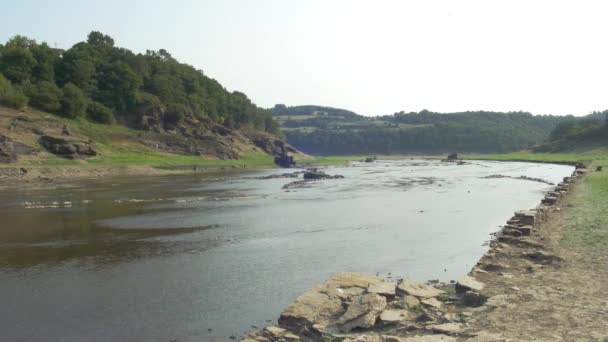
<point>358,307</point>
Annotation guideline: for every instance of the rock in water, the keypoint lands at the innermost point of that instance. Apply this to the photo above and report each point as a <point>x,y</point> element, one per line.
<point>417,289</point>
<point>362,312</point>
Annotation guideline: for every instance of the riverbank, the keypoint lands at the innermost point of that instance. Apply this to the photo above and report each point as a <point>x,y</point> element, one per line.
<point>549,285</point>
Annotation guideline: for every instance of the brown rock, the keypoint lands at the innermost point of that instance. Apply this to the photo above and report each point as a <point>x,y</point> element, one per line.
<point>468,283</point>
<point>362,312</point>
<point>384,288</point>
<point>417,289</point>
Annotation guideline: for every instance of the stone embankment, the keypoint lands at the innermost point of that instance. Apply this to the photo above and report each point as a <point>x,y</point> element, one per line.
<point>354,307</point>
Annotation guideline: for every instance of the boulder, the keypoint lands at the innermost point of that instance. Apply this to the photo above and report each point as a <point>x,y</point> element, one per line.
<point>7,150</point>
<point>407,302</point>
<point>417,289</point>
<point>362,312</point>
<point>468,283</point>
<point>384,288</point>
<point>67,149</point>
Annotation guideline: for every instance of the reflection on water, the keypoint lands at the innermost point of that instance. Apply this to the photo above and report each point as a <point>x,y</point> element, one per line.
<point>204,257</point>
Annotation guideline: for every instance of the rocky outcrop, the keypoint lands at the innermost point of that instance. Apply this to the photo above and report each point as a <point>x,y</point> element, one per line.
<point>10,149</point>
<point>68,149</point>
<point>7,150</point>
<point>321,307</point>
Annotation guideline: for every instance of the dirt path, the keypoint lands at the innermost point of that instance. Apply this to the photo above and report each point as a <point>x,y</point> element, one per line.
<point>564,298</point>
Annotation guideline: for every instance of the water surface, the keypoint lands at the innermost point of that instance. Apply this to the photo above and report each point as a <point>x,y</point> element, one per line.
<point>205,257</point>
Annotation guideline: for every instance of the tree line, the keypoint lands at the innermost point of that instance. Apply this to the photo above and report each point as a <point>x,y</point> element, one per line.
<point>428,132</point>
<point>103,83</point>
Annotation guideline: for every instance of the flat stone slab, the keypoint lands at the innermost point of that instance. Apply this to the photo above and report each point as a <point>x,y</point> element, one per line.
<point>447,328</point>
<point>432,302</point>
<point>384,288</point>
<point>396,316</point>
<point>418,289</point>
<point>429,338</point>
<point>468,283</point>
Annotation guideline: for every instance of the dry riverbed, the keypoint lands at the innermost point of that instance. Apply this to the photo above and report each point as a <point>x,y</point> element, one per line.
<point>527,287</point>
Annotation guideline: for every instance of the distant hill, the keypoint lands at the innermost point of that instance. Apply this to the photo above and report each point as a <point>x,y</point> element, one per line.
<point>578,134</point>
<point>330,131</point>
<point>310,110</point>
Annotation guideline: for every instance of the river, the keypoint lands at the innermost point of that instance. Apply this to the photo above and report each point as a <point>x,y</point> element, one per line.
<point>204,257</point>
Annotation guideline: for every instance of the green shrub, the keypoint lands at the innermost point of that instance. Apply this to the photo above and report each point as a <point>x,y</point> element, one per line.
<point>45,96</point>
<point>97,112</point>
<point>175,114</point>
<point>11,96</point>
<point>73,102</point>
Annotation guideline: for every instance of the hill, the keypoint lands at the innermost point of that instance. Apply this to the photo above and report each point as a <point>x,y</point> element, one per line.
<point>104,104</point>
<point>578,134</point>
<point>333,133</point>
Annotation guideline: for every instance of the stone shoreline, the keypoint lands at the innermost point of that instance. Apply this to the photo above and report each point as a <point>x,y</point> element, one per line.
<point>353,307</point>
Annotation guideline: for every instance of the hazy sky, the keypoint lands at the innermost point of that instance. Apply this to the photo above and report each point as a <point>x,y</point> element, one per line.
<point>373,57</point>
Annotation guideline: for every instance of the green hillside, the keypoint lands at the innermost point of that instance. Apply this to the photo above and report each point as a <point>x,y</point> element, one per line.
<point>339,132</point>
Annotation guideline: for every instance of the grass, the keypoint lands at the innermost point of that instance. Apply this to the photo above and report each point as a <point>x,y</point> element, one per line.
<point>570,157</point>
<point>588,222</point>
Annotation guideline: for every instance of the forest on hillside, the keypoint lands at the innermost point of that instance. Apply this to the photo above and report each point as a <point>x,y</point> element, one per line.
<point>580,133</point>
<point>101,82</point>
<point>422,132</point>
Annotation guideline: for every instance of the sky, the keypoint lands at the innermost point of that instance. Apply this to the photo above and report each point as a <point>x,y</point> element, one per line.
<point>373,57</point>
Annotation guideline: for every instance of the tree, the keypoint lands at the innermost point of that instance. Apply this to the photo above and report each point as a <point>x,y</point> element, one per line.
<point>99,113</point>
<point>73,102</point>
<point>99,39</point>
<point>11,96</point>
<point>174,115</point>
<point>44,95</point>
<point>46,58</point>
<point>17,61</point>
<point>117,86</point>
<point>77,67</point>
